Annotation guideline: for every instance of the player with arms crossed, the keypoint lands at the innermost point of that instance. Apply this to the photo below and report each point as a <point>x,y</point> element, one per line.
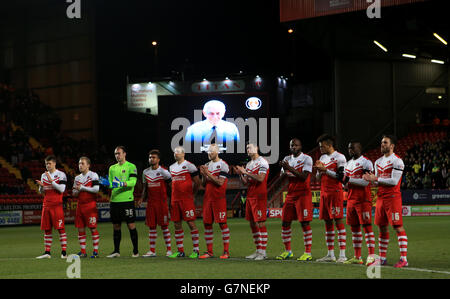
<point>185,184</point>
<point>215,178</point>
<point>388,177</point>
<point>298,205</point>
<point>52,185</point>
<point>122,178</point>
<point>359,203</point>
<point>86,187</point>
<point>156,180</point>
<point>330,170</point>
<point>255,175</point>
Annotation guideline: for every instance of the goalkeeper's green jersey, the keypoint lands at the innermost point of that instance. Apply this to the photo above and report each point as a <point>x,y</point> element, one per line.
<point>126,173</point>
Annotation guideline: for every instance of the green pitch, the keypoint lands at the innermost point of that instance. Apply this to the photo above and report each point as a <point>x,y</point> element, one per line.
<point>428,254</point>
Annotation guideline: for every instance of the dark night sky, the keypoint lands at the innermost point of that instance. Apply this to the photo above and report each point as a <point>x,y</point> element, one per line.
<point>215,36</point>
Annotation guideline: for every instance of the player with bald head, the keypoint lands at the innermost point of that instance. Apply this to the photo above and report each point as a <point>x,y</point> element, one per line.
<point>298,205</point>
<point>213,125</point>
<point>359,202</point>
<point>214,179</point>
<point>255,175</point>
<point>185,184</point>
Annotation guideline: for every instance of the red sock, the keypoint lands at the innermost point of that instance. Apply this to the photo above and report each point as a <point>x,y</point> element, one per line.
<point>357,240</point>
<point>209,237</point>
<point>63,239</point>
<point>307,238</point>
<point>95,240</point>
<point>167,240</point>
<point>329,235</point>
<point>370,239</point>
<point>48,239</point>
<point>342,235</point>
<point>403,244</point>
<point>383,241</point>
<point>82,241</point>
<point>255,232</point>
<point>152,235</point>
<point>225,237</point>
<point>286,237</point>
<point>195,239</point>
<point>263,237</point>
<point>179,237</point>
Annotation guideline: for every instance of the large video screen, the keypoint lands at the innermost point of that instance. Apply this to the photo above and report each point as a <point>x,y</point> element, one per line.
<point>231,121</point>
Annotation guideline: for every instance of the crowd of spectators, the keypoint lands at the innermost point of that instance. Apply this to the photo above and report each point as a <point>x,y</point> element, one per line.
<point>427,166</point>
<point>35,119</point>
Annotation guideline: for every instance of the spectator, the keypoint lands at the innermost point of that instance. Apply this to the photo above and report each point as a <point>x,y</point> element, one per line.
<point>416,167</point>
<point>426,181</point>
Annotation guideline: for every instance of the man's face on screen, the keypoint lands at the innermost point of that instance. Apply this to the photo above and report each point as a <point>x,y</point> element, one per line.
<point>213,115</point>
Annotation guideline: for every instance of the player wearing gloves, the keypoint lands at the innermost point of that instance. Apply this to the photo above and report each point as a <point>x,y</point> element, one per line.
<point>121,179</point>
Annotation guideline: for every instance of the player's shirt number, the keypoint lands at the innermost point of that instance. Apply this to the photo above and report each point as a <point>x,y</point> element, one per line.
<point>189,213</point>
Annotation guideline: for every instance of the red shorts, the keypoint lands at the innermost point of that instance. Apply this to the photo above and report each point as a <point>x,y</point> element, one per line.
<point>157,213</point>
<point>52,216</point>
<point>298,207</point>
<point>389,211</point>
<point>331,205</point>
<point>359,212</point>
<point>215,211</point>
<point>256,209</point>
<point>86,215</point>
<point>182,210</point>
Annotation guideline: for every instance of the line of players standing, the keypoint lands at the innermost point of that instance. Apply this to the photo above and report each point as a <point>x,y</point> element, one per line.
<point>182,180</point>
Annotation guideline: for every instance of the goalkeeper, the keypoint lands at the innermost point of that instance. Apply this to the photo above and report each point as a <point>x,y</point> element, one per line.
<point>122,179</point>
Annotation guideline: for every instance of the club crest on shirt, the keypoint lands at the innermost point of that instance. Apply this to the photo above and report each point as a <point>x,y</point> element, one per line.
<point>123,170</point>
<point>218,166</point>
<point>388,162</point>
<point>357,164</point>
<point>157,173</point>
<point>332,159</point>
<point>184,167</point>
<point>298,161</point>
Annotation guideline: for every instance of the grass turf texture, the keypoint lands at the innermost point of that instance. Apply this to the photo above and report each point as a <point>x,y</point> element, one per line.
<point>428,245</point>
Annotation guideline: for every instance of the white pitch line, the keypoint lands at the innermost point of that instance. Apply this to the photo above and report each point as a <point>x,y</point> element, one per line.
<point>270,260</point>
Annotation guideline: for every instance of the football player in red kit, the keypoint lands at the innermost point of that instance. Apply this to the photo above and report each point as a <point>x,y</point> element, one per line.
<point>388,176</point>
<point>85,187</point>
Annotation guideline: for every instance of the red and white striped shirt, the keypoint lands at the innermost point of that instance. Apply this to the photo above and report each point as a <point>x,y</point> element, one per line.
<point>155,180</point>
<point>53,196</point>
<point>332,162</point>
<point>358,188</point>
<point>389,171</point>
<point>257,166</point>
<point>182,187</point>
<point>301,163</point>
<point>218,169</point>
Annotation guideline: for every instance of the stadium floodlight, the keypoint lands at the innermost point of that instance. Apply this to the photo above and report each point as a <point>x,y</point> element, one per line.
<point>409,56</point>
<point>290,30</point>
<point>380,45</point>
<point>154,43</point>
<point>437,61</point>
<point>440,38</point>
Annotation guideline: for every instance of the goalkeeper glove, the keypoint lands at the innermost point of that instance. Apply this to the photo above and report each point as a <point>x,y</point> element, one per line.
<point>117,183</point>
<point>104,181</point>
